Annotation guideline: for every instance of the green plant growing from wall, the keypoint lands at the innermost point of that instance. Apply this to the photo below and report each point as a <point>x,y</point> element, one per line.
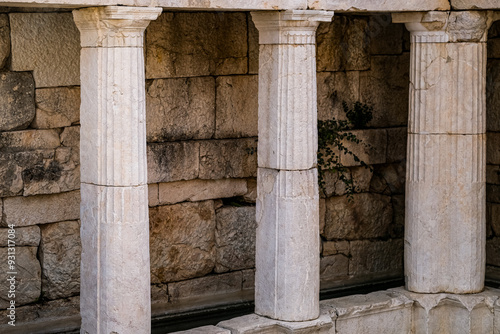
<point>332,136</point>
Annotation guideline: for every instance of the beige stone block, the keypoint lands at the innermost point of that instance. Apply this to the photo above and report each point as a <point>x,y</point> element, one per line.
<point>475,4</point>
<point>11,168</point>
<point>334,186</point>
<point>342,45</point>
<point>70,137</point>
<point>228,158</point>
<point>47,44</point>
<point>173,161</point>
<point>248,279</point>
<point>27,276</point>
<point>336,247</point>
<point>182,241</point>
<point>196,44</point>
<point>235,238</point>
<point>153,195</point>
<point>334,268</point>
<point>33,210</point>
<point>322,214</point>
<point>361,178</point>
<point>4,39</point>
<point>370,6</point>
<point>251,194</point>
<point>333,89</point>
<point>389,179</point>
<point>17,100</point>
<point>200,190</point>
<point>59,254</point>
<point>159,293</point>
<point>180,109</point>
<point>205,330</point>
<point>371,150</point>
<point>237,106</point>
<point>56,107</point>
<point>396,144</point>
<point>206,286</point>
<point>376,257</point>
<point>29,140</point>
<point>23,236</point>
<point>385,88</point>
<point>385,37</point>
<point>365,216</point>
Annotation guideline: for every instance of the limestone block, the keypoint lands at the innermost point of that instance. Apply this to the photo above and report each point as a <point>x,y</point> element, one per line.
<point>388,179</point>
<point>370,6</point>
<point>342,45</point>
<point>254,323</point>
<point>29,140</point>
<point>205,330</point>
<point>376,257</point>
<point>4,39</point>
<point>180,109</point>
<point>200,190</point>
<point>396,144</point>
<point>334,186</point>
<point>33,210</point>
<point>17,100</point>
<point>287,273</point>
<point>248,279</point>
<point>237,106</point>
<point>208,286</point>
<point>335,247</point>
<point>333,89</point>
<point>24,236</point>
<point>56,107</point>
<point>153,195</point>
<point>253,48</point>
<point>235,238</point>
<point>377,312</point>
<point>371,150</point>
<point>322,214</point>
<point>365,216</point>
<point>59,254</point>
<point>12,166</point>
<point>361,178</point>
<point>251,195</point>
<point>27,277</point>
<point>493,95</point>
<point>47,44</point>
<point>228,158</point>
<point>493,148</point>
<point>334,268</point>
<point>385,38</point>
<point>173,161</point>
<point>476,4</point>
<point>385,87</point>
<point>182,241</point>
<point>196,44</point>
<point>70,137</point>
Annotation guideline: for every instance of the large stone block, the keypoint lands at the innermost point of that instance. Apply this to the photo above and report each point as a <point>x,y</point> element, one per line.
<point>27,277</point>
<point>17,100</point>
<point>173,161</point>
<point>389,179</point>
<point>476,4</point>
<point>343,45</point>
<point>396,144</point>
<point>237,106</point>
<point>365,216</point>
<point>372,149</point>
<point>196,44</point>
<point>235,238</point>
<point>182,241</point>
<point>371,6</point>
<point>205,330</point>
<point>385,87</point>
<point>385,38</point>
<point>24,236</point>
<point>29,140</point>
<point>333,89</point>
<point>200,190</point>
<point>47,44</point>
<point>57,107</point>
<point>180,109</point>
<point>380,258</point>
<point>4,39</point>
<point>228,158</point>
<point>33,210</point>
<point>59,254</point>
<point>334,268</point>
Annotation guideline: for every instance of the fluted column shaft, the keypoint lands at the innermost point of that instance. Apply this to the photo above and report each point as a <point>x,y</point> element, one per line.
<point>287,251</point>
<point>115,275</point>
<point>445,177</point>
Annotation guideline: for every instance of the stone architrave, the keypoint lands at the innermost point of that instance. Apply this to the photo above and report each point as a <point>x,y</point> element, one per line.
<point>287,245</point>
<point>446,165</point>
<point>115,274</point>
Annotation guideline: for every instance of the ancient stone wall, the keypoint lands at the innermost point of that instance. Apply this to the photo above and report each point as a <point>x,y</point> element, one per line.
<point>201,95</point>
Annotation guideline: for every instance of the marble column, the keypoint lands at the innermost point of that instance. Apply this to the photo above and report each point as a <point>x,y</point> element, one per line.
<point>115,276</point>
<point>445,176</point>
<point>287,250</point>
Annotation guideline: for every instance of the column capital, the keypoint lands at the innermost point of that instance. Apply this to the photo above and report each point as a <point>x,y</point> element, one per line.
<point>289,27</point>
<point>114,26</point>
<point>446,27</point>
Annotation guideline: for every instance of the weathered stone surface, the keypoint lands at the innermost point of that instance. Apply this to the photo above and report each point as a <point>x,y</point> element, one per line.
<point>11,168</point>
<point>398,216</point>
<point>33,210</point>
<point>182,241</point>
<point>376,257</point>
<point>200,190</point>
<point>228,158</point>
<point>173,161</point>
<point>70,137</point>
<point>361,178</point>
<point>493,252</point>
<point>385,38</point>
<point>29,140</point>
<point>494,218</point>
<point>372,149</point>
<point>237,106</point>
<point>334,268</point>
<point>385,87</point>
<point>335,247</point>
<point>24,236</point>
<point>56,107</point>
<point>153,195</point>
<point>27,277</point>
<point>343,44</point>
<point>493,148</point>
<point>396,144</point>
<point>196,44</point>
<point>59,254</point>
<point>180,109</point>
<point>334,186</point>
<point>4,39</point>
<point>493,174</point>
<point>251,194</point>
<point>476,4</point>
<point>253,48</point>
<point>206,286</point>
<point>493,95</point>
<point>17,100</point>
<point>333,89</point>
<point>371,6</point>
<point>205,330</point>
<point>366,216</point>
<point>248,279</point>
<point>388,179</point>
<point>47,44</point>
<point>159,293</point>
<point>235,238</point>
<point>493,193</point>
